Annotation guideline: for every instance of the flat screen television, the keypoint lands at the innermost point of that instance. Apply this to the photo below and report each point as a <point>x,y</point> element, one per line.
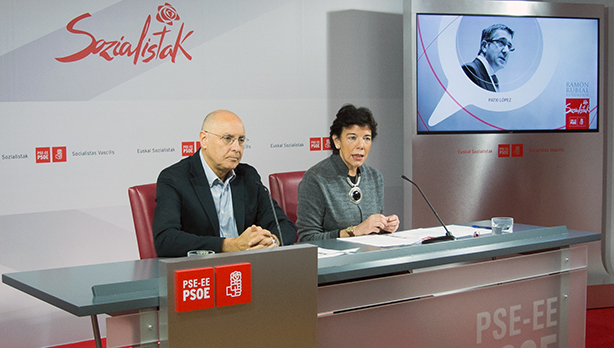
<point>545,67</point>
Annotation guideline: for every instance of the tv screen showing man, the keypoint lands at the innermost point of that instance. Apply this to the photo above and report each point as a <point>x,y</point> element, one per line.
<point>495,48</point>
<point>549,83</point>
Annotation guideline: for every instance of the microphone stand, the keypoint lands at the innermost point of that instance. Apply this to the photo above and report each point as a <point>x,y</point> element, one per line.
<point>448,236</point>
<point>281,237</point>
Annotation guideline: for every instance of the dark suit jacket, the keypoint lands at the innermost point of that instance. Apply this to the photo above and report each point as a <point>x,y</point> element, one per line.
<point>476,71</point>
<point>185,217</point>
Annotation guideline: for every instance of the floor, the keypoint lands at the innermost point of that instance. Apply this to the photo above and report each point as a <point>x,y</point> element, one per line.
<point>600,328</point>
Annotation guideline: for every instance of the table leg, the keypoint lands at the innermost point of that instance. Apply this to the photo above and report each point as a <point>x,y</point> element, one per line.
<point>96,331</point>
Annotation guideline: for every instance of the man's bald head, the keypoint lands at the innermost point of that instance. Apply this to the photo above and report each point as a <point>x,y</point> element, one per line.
<point>222,154</point>
<point>219,116</point>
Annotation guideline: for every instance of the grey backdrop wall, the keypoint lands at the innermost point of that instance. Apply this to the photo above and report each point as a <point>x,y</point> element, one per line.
<point>365,67</point>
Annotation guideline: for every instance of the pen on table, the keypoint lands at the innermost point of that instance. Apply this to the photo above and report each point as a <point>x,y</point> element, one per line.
<point>486,227</point>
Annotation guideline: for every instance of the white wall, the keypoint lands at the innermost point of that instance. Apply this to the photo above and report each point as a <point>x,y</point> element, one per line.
<point>270,61</point>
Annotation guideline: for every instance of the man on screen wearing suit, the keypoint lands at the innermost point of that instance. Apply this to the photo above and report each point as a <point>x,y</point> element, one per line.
<point>495,47</point>
<point>210,201</point>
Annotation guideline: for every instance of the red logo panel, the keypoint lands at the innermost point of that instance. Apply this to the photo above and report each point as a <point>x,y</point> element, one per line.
<point>517,150</point>
<point>577,112</point>
<point>315,144</point>
<point>233,284</point>
<point>326,145</point>
<point>43,155</point>
<point>504,150</point>
<point>187,148</point>
<point>194,289</point>
<point>59,154</point>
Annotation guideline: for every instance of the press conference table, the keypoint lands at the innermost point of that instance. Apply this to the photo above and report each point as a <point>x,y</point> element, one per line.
<point>133,285</point>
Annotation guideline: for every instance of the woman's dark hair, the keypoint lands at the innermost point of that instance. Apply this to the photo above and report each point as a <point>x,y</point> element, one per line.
<point>349,116</point>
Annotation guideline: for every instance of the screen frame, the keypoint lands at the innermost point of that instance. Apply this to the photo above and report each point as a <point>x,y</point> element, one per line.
<point>504,9</point>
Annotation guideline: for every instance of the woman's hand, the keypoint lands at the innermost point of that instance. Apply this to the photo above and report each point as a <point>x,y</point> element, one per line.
<point>392,224</point>
<point>376,223</point>
<point>373,224</point>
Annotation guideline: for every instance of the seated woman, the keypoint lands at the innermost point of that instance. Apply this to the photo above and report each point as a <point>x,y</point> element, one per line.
<point>341,196</point>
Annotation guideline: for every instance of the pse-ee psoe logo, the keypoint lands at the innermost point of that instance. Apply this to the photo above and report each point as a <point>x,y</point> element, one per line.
<point>577,113</point>
<point>188,148</point>
<point>513,150</point>
<point>319,144</point>
<point>50,154</point>
<point>209,287</point>
<point>162,44</point>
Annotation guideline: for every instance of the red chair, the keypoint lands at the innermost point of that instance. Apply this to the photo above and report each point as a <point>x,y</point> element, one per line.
<point>284,190</point>
<point>143,203</point>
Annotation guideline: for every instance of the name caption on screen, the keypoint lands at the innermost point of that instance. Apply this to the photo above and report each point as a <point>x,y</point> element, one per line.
<point>499,100</point>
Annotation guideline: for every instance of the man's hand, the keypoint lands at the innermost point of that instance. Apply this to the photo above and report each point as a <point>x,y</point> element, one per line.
<point>254,237</point>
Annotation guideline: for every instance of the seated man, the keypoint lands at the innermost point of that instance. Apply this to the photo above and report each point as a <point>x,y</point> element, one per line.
<point>209,201</point>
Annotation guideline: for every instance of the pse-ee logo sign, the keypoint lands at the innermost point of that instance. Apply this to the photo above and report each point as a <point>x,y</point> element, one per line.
<point>209,287</point>
<point>152,43</point>
<point>511,150</point>
<point>319,144</point>
<point>50,154</point>
<point>188,148</point>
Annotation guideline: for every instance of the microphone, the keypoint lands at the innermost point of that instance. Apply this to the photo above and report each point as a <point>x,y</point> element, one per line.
<point>280,235</point>
<point>449,235</point>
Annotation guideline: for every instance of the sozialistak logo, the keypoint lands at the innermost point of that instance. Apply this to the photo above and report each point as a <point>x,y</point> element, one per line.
<point>147,48</point>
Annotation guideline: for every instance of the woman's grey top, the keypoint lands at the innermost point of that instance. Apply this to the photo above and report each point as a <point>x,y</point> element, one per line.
<point>324,206</point>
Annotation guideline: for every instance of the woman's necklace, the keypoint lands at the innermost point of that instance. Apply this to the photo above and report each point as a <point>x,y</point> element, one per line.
<point>355,192</point>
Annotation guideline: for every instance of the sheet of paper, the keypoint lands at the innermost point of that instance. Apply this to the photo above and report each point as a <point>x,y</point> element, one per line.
<point>379,240</point>
<point>323,252</point>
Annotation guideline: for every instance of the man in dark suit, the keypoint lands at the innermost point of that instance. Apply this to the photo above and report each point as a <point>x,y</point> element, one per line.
<point>210,201</point>
<point>495,47</point>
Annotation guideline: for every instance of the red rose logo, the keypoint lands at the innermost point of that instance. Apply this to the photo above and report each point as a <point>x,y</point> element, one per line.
<point>167,14</point>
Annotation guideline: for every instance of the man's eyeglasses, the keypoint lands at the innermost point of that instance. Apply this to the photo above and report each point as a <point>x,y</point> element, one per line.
<point>229,139</point>
<point>503,42</point>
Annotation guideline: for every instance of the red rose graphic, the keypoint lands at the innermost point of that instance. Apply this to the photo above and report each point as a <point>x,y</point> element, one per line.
<point>167,14</point>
